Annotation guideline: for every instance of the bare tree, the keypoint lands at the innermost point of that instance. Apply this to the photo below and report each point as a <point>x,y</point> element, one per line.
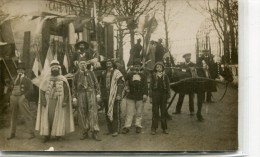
<point>133,9</point>
<point>224,17</point>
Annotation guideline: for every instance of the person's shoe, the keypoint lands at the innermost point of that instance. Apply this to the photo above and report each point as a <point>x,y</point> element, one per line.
<point>84,136</point>
<point>11,137</point>
<point>153,132</point>
<point>125,130</point>
<point>138,130</point>
<point>115,134</point>
<point>46,139</point>
<point>177,112</point>
<point>95,136</point>
<point>165,131</point>
<point>169,117</point>
<point>32,135</point>
<point>200,118</point>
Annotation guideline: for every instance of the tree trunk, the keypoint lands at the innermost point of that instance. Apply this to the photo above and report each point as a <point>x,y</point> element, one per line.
<point>132,37</point>
<point>165,26</point>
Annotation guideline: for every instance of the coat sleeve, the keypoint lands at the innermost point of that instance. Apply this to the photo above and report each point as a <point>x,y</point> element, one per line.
<point>145,85</point>
<point>120,86</point>
<point>167,83</point>
<point>66,93</point>
<point>151,85</point>
<point>96,84</point>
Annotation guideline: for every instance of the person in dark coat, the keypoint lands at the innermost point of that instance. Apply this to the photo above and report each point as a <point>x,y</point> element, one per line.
<point>135,52</point>
<point>83,51</point>
<point>19,101</point>
<point>159,94</point>
<point>137,89</point>
<point>186,66</point>
<point>159,51</point>
<point>112,85</point>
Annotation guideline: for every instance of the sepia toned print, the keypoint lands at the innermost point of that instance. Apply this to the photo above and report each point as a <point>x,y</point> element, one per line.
<point>119,75</point>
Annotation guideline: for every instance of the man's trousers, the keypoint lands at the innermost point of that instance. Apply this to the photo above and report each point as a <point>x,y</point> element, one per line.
<point>21,103</point>
<point>134,108</point>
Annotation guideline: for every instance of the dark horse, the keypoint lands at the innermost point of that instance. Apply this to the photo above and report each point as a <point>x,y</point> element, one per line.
<point>191,80</point>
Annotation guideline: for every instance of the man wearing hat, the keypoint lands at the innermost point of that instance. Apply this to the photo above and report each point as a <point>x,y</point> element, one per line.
<point>137,95</point>
<point>54,116</point>
<point>84,51</point>
<point>86,94</point>
<point>112,86</point>
<point>19,100</point>
<point>186,67</point>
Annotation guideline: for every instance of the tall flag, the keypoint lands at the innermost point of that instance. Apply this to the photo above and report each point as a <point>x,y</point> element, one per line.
<point>150,27</point>
<point>37,66</point>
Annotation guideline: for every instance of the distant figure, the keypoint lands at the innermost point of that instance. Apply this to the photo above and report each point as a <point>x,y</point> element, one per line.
<point>186,66</point>
<point>159,51</point>
<point>19,101</point>
<point>150,57</point>
<point>135,52</point>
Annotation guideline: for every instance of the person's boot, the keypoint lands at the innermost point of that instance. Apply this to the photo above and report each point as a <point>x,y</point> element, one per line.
<point>95,136</point>
<point>165,131</point>
<point>138,129</point>
<point>84,136</point>
<point>200,118</point>
<point>11,136</point>
<point>32,135</point>
<point>115,134</point>
<point>46,139</point>
<point>125,130</point>
<point>153,131</point>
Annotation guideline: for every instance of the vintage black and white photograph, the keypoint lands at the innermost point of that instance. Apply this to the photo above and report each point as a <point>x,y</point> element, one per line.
<point>119,75</point>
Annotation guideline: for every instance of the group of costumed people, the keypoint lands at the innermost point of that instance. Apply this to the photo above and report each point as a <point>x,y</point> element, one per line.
<point>57,98</point>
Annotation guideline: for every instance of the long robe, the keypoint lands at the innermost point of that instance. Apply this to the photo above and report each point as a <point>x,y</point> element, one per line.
<point>63,121</point>
<point>85,89</point>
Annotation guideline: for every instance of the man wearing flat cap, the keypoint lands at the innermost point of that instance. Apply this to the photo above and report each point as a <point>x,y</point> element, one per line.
<point>83,50</point>
<point>187,64</point>
<point>19,100</point>
<point>54,115</point>
<point>137,90</point>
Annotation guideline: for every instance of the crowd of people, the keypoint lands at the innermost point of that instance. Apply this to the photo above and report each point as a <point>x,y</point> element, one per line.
<point>58,98</point>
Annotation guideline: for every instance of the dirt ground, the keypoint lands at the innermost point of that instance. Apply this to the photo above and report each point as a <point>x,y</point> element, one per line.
<point>217,132</point>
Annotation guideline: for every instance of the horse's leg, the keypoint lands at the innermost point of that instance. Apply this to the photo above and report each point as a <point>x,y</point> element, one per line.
<point>200,97</point>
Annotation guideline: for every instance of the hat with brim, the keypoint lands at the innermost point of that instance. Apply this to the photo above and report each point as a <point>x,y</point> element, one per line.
<point>81,42</point>
<point>187,55</point>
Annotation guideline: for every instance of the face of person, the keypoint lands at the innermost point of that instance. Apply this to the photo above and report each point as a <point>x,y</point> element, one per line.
<point>81,47</point>
<point>20,71</point>
<point>159,68</point>
<point>137,68</point>
<point>109,65</point>
<point>82,65</point>
<point>187,59</point>
<point>55,70</point>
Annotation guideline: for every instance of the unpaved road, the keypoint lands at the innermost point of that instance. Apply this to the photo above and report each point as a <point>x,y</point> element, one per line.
<point>217,132</point>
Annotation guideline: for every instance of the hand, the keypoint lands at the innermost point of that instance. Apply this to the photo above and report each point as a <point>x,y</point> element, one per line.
<point>98,99</point>
<point>74,101</point>
<point>144,98</point>
<point>118,98</point>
